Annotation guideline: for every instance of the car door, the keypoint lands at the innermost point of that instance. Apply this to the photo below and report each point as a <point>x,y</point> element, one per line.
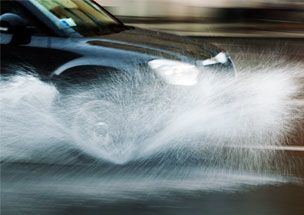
<point>37,56</point>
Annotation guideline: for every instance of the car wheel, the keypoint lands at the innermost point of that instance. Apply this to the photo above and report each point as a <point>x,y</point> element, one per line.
<point>97,129</point>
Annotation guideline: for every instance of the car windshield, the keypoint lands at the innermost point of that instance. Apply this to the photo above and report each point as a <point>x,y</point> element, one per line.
<point>79,17</point>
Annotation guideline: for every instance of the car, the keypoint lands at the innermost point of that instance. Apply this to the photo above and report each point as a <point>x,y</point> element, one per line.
<point>56,38</point>
<point>69,42</point>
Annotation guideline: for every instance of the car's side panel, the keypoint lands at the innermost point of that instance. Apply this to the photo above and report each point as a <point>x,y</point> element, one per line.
<point>95,55</point>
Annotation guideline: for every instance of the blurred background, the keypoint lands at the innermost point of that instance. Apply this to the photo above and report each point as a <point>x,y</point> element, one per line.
<point>265,18</point>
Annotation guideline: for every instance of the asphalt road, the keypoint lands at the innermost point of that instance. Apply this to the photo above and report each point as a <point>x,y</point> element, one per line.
<point>54,189</point>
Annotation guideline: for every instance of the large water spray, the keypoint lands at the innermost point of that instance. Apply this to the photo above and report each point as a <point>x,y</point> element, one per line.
<point>222,124</point>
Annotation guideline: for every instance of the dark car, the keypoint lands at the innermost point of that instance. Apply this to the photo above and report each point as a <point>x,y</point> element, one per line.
<point>73,43</point>
<point>67,38</point>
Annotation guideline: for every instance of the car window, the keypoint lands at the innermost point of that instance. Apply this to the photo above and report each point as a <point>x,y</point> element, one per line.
<point>8,6</point>
<point>83,17</point>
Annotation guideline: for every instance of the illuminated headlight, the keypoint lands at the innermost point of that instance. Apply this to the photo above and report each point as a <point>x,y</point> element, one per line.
<point>221,58</point>
<point>175,72</point>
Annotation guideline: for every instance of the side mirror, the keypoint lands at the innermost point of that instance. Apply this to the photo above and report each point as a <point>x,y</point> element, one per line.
<point>11,23</point>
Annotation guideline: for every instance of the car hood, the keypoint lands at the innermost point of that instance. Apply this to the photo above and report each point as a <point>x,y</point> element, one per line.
<point>157,44</point>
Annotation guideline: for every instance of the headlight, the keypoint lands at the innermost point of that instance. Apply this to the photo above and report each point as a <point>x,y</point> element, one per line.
<point>221,58</point>
<point>175,72</point>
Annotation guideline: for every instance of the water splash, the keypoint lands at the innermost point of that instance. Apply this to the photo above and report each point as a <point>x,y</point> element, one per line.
<point>216,124</point>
